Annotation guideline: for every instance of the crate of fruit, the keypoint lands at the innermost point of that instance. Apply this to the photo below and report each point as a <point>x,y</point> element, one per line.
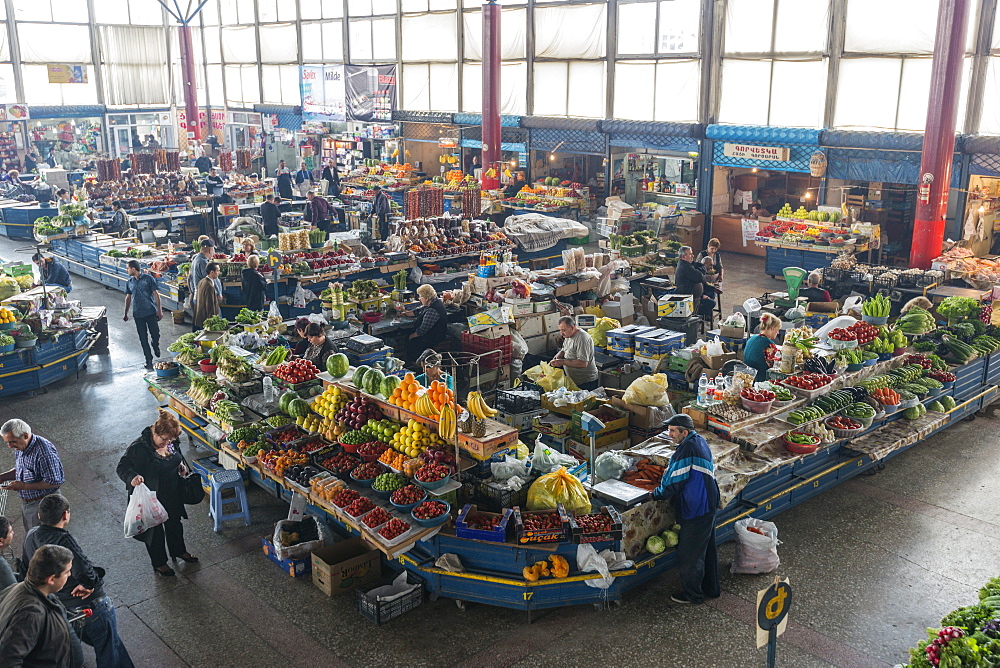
<point>283,437</point>
<point>604,525</point>
<point>478,525</point>
<point>338,463</point>
<point>541,526</point>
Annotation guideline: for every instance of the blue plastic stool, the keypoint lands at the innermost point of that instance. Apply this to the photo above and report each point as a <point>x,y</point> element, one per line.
<point>223,480</point>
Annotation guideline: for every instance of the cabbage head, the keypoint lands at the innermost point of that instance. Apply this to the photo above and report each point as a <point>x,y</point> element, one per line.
<point>655,545</point>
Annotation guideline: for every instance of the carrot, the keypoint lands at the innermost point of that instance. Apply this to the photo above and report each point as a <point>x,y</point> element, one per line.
<point>642,462</point>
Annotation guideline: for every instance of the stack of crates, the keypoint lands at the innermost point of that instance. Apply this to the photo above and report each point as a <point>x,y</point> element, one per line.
<point>657,343</point>
<point>621,341</point>
<point>518,408</point>
<point>473,343</point>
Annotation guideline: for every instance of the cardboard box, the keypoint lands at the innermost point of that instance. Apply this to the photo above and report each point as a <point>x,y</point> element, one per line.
<point>567,288</point>
<point>732,332</point>
<point>294,567</point>
<point>588,284</point>
<point>520,306</point>
<point>618,380</point>
<point>495,331</point>
<point>675,306</point>
<point>339,568</point>
<point>481,285</point>
<point>715,362</point>
<point>537,345</point>
<point>617,208</point>
<point>620,308</point>
<point>551,321</point>
<point>530,325</point>
<point>543,306</point>
<point>640,417</point>
<point>698,416</point>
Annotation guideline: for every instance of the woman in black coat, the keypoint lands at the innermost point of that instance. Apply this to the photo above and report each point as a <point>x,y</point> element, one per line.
<point>155,459</point>
<point>254,285</point>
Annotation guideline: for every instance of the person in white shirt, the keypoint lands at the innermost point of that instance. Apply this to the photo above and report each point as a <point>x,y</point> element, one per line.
<point>576,357</point>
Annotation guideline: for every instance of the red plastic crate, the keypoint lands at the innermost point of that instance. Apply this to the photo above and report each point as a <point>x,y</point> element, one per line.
<point>473,343</point>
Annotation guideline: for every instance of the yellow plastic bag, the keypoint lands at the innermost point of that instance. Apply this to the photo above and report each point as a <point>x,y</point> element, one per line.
<point>550,378</point>
<point>558,487</point>
<point>648,390</point>
<point>599,332</point>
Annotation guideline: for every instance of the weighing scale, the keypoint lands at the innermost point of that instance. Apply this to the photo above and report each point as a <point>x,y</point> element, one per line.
<point>586,321</point>
<point>793,279</point>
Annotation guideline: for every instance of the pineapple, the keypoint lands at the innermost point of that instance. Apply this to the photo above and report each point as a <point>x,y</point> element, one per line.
<point>479,428</point>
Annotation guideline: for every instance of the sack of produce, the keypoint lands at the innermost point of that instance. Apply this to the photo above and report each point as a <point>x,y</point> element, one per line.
<point>612,464</point>
<point>144,511</point>
<point>559,487</point>
<point>599,332</point>
<point>756,547</point>
<point>297,539</point>
<point>549,378</point>
<point>648,390</point>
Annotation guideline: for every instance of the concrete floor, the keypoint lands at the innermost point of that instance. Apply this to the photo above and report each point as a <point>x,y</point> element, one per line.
<point>874,561</point>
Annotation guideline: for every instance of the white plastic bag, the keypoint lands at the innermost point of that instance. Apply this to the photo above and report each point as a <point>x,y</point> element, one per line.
<point>755,554</point>
<point>588,559</point>
<point>398,588</point>
<point>714,347</point>
<point>299,550</point>
<point>510,467</point>
<point>546,460</point>
<point>273,311</point>
<point>611,465</point>
<point>144,511</point>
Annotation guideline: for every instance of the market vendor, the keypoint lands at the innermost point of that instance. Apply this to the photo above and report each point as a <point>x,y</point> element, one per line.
<point>712,251</point>
<point>689,482</point>
<point>515,186</point>
<point>51,273</point>
<point>284,176</point>
<point>754,353</point>
<point>270,214</point>
<point>247,247</point>
<point>758,211</point>
<point>812,291</point>
<point>320,347</point>
<point>432,322</point>
<point>576,357</point>
<point>430,362</point>
<point>253,285</point>
<point>301,326</point>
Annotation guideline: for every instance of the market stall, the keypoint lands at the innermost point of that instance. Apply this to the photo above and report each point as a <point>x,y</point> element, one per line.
<point>44,335</point>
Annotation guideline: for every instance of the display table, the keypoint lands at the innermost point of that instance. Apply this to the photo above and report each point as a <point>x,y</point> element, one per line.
<point>728,229</point>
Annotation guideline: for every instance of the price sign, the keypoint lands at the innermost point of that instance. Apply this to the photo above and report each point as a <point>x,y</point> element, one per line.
<point>273,258</point>
<point>773,604</point>
<point>750,229</point>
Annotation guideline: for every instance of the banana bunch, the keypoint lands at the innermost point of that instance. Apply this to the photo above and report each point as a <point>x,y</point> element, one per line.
<point>447,423</point>
<point>478,407</point>
<point>425,406</point>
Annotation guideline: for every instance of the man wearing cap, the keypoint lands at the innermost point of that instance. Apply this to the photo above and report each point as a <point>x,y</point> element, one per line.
<point>690,482</point>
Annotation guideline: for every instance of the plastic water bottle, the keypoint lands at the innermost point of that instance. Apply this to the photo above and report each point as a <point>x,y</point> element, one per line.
<point>268,390</point>
<point>703,390</point>
<point>710,394</point>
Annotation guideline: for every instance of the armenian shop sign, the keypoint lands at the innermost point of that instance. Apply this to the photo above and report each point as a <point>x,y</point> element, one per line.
<point>751,152</point>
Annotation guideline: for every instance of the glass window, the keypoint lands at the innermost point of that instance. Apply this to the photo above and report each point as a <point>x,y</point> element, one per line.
<point>793,102</point>
<point>278,43</point>
<point>214,80</point>
<point>360,40</point>
<point>879,79</point>
<point>416,43</point>
<point>513,26</point>
<point>38,89</point>
<point>142,13</point>
<point>333,41</point>
<point>7,92</point>
<point>239,45</point>
<point>416,87</point>
<point>551,84</point>
<point>745,88</point>
<point>384,39</point>
<point>281,84</point>
<point>638,21</point>
<point>634,97</point>
<point>749,24</point>
<point>242,85</point>
<point>513,85</point>
<point>209,13</point>
<point>4,46</point>
<point>678,86</point>
<point>245,11</point>
<point>54,43</point>
<point>312,42</point>
<point>267,10</point>
<point>569,89</point>
<point>801,26</point>
<point>679,26</point>
<point>570,31</point>
<point>213,47</point>
<point>913,23</point>
<point>111,11</point>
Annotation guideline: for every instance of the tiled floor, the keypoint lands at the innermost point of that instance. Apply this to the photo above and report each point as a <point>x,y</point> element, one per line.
<point>874,561</point>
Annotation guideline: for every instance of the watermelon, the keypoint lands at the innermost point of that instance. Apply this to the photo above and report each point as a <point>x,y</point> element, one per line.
<point>298,408</point>
<point>359,376</point>
<point>947,402</point>
<point>389,384</point>
<point>373,381</point>
<point>936,407</point>
<point>337,365</point>
<point>285,399</point>
<point>911,413</point>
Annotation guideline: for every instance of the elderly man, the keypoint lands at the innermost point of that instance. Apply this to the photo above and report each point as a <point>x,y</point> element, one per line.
<point>37,470</point>
<point>576,357</point>
<point>689,482</point>
<point>689,278</point>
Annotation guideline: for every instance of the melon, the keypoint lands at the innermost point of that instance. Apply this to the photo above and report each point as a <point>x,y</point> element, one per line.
<point>298,408</point>
<point>373,381</point>
<point>389,385</point>
<point>359,376</point>
<point>285,399</point>
<point>337,365</point>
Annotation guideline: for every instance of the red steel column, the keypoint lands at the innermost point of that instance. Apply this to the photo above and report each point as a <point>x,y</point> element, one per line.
<point>492,155</point>
<point>939,133</point>
<point>187,72</point>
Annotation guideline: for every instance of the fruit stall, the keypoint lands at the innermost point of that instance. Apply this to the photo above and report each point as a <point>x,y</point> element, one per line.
<point>812,239</point>
<point>553,198</point>
<point>421,471</point>
<point>44,336</point>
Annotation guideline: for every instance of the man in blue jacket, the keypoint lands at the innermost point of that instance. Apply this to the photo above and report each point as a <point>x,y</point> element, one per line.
<point>690,482</point>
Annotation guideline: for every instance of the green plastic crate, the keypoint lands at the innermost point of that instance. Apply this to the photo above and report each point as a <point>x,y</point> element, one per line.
<point>579,241</point>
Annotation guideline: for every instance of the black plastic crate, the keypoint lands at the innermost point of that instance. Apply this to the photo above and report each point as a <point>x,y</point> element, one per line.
<point>494,500</point>
<point>381,612</point>
<point>518,401</point>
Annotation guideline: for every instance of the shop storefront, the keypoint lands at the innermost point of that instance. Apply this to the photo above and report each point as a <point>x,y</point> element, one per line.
<point>875,176</point>
<point>13,135</point>
<point>654,162</point>
<point>758,165</point>
<point>75,135</point>
<point>568,150</point>
<point>130,132</point>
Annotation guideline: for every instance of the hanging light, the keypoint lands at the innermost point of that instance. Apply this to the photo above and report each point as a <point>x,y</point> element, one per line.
<point>552,157</point>
<point>754,170</point>
<point>809,194</point>
<point>982,209</point>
